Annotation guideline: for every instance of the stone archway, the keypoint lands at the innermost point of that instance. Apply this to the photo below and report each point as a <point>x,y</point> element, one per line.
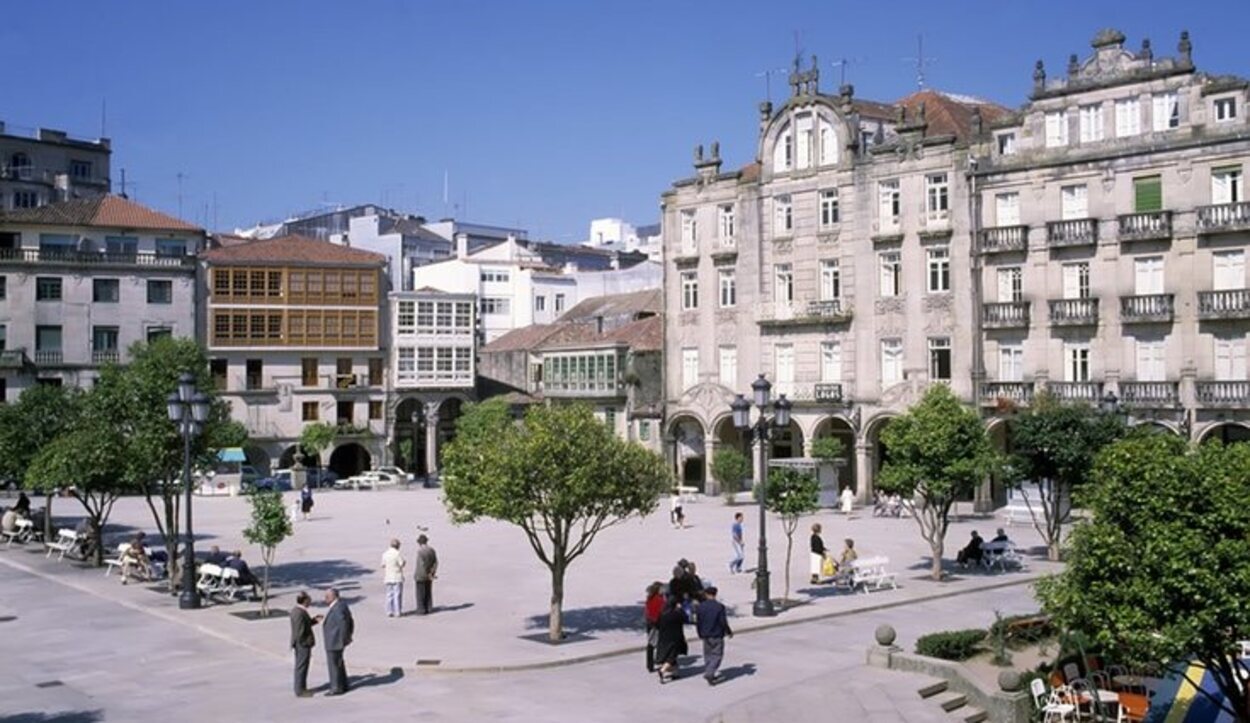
<point>841,430</point>
<point>350,459</point>
<point>449,412</point>
<point>408,439</point>
<point>787,443</point>
<point>287,459</point>
<point>1227,433</point>
<point>877,453</point>
<point>689,451</point>
<point>258,458</point>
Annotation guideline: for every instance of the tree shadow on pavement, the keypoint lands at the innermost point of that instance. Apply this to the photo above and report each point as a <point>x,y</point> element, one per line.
<point>595,619</point>
<point>78,716</point>
<point>315,573</point>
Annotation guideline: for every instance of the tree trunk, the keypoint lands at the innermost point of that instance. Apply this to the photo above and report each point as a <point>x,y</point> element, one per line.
<point>264,588</point>
<point>938,545</point>
<point>785,598</point>
<point>47,518</point>
<point>555,630</point>
<point>97,537</point>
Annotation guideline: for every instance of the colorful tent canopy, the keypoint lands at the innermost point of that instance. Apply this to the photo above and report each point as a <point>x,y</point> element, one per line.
<point>232,454</point>
<point>1178,701</point>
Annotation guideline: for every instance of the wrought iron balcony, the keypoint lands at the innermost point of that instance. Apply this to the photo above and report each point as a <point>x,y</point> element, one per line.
<point>1073,312</point>
<point>1000,239</point>
<point>104,356</point>
<point>1076,391</point>
<point>1076,232</point>
<point>802,314</point>
<point>1228,304</point>
<point>996,393</point>
<point>1223,394</point>
<point>70,257</point>
<point>1149,226</point>
<point>49,356</point>
<point>1005,315</point>
<point>1150,394</point>
<point>1224,217</point>
<point>1147,308</point>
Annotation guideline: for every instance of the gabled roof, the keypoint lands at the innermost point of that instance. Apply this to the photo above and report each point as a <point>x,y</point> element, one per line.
<point>949,114</point>
<point>642,335</point>
<point>103,212</point>
<point>523,339</point>
<point>293,250</point>
<point>634,302</point>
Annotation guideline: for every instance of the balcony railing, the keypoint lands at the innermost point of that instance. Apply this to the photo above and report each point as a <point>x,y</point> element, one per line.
<point>1147,308</point>
<point>1076,232</point>
<point>994,393</point>
<point>104,356</point>
<point>1149,394</point>
<point>1228,304</point>
<point>1005,315</point>
<point>815,392</point>
<point>1150,226</point>
<point>13,358</point>
<point>798,313</point>
<point>1224,217</point>
<point>1073,312</point>
<point>94,258</point>
<point>1076,391</point>
<point>49,356</point>
<point>1004,238</point>
<point>1223,394</point>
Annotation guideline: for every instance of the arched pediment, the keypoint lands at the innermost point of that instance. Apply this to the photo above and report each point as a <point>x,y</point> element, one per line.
<point>807,132</point>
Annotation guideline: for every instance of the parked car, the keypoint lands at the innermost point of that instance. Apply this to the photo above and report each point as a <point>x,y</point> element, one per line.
<point>321,477</point>
<point>276,483</point>
<point>372,479</point>
<point>404,477</point>
<point>247,474</point>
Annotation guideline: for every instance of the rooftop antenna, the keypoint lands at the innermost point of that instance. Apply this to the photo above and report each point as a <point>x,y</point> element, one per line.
<point>767,75</point>
<point>180,175</point>
<point>841,64</point>
<point>920,61</point>
<point>124,184</point>
<point>104,105</point>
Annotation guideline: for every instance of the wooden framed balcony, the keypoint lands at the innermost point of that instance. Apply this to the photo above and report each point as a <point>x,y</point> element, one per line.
<point>1074,232</point>
<point>1002,239</point>
<point>1005,315</point>
<point>1157,395</point>
<point>1226,304</point>
<point>1073,312</point>
<point>1223,218</point>
<point>1147,308</point>
<point>1149,226</point>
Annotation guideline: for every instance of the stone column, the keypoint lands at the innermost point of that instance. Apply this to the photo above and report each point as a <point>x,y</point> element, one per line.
<point>863,472</point>
<point>431,438</point>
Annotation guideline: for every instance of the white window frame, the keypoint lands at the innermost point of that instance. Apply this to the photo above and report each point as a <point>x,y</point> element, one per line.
<point>830,280</point>
<point>938,345</point>
<point>804,146</point>
<point>1007,209</point>
<point>1074,201</point>
<point>1228,270</point>
<point>1148,275</point>
<point>689,290</point>
<point>891,361</point>
<point>828,143</point>
<point>1056,129</point>
<point>1076,361</point>
<point>728,286</point>
<point>1150,360</point>
<point>783,368</point>
<point>1092,125</point>
<point>689,367</point>
<point>1010,284</point>
<point>689,231</point>
<point>1226,185</point>
<point>783,216</point>
<point>1127,117</point>
<point>725,224</point>
<point>1229,357</point>
<point>1010,362</point>
<point>889,205</point>
<point>890,276</point>
<point>937,197</point>
<point>540,303</point>
<point>783,283</point>
<point>559,303</point>
<point>1165,111</point>
<point>1075,277</point>
<point>829,208</point>
<point>728,363</point>
<point>1006,143</point>
<point>938,276</point>
<point>1224,110</point>
<point>831,361</point>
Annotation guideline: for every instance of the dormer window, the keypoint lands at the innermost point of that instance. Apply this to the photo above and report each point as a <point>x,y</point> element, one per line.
<point>1225,109</point>
<point>803,127</point>
<point>1056,129</point>
<point>1006,144</point>
<point>783,152</point>
<point>828,144</point>
<point>1127,118</point>
<point>689,240</point>
<point>1165,112</point>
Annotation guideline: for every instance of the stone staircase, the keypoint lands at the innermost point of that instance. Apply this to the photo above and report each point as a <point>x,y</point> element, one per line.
<point>955,704</point>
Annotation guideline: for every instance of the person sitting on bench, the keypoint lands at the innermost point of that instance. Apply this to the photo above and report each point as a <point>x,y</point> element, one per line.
<point>246,578</point>
<point>972,553</point>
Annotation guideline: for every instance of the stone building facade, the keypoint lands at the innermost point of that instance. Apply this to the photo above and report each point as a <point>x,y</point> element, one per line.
<point>1090,243</point>
<point>41,166</point>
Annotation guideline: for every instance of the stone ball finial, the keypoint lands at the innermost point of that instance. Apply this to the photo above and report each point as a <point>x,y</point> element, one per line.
<point>1074,65</point>
<point>885,635</point>
<point>1185,47</point>
<point>847,90</point>
<point>1009,681</point>
<point>766,110</point>
<point>1039,73</point>
<point>1147,53</point>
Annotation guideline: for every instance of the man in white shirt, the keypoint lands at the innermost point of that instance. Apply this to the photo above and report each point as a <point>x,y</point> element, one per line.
<point>393,575</point>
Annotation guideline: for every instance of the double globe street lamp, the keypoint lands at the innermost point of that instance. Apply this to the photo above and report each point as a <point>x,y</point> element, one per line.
<point>189,410</point>
<point>760,389</point>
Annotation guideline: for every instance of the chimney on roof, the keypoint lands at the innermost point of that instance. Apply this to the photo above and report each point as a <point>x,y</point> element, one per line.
<point>462,245</point>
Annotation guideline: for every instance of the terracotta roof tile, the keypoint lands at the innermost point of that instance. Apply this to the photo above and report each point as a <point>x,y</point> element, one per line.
<point>527,337</point>
<point>294,250</point>
<point>104,211</point>
<point>631,302</point>
<point>950,115</point>
<point>642,335</point>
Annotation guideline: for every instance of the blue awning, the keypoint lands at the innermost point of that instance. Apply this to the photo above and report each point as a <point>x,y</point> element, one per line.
<point>232,454</point>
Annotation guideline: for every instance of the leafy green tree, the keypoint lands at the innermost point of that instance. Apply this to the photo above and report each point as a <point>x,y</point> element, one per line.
<point>1055,445</point>
<point>40,415</point>
<point>729,468</point>
<point>939,452</point>
<point>828,449</point>
<point>1162,572</point>
<point>270,526</point>
<point>791,494</point>
<point>317,438</point>
<point>86,462</point>
<point>134,397</point>
<point>559,474</point>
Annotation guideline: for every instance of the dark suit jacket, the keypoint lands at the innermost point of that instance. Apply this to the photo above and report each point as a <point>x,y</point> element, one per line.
<point>338,626</point>
<point>302,628</point>
<point>427,563</point>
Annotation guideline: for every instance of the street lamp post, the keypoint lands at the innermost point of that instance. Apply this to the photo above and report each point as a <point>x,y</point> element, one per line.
<point>189,410</point>
<point>760,389</point>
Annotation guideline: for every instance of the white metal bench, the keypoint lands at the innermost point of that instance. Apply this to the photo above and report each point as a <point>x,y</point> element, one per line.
<point>1013,514</point>
<point>686,493</point>
<point>1001,555</point>
<point>23,531</point>
<point>870,573</point>
<point>117,562</point>
<point>209,582</point>
<point>66,540</point>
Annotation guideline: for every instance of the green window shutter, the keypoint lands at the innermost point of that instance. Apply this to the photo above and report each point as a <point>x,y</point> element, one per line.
<point>1148,194</point>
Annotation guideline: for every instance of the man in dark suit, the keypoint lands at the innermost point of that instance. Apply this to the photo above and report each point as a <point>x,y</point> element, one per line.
<point>338,627</point>
<point>427,573</point>
<point>302,641</point>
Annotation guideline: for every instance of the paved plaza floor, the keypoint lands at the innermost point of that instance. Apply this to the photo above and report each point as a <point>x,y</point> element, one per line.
<point>127,653</point>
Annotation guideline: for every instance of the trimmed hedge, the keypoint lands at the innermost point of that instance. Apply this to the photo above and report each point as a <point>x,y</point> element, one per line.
<point>951,644</point>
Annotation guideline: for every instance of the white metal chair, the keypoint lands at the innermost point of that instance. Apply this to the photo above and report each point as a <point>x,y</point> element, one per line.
<point>1049,703</point>
<point>230,583</point>
<point>209,582</point>
<point>117,562</point>
<point>66,539</point>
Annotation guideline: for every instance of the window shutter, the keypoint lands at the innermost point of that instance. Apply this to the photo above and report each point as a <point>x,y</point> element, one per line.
<point>1148,194</point>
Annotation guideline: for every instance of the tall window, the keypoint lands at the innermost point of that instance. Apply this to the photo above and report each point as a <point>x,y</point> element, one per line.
<point>783,368</point>
<point>783,153</point>
<point>828,143</point>
<point>830,361</point>
<point>1006,144</point>
<point>1228,270</point>
<point>1148,194</point>
<point>889,204</point>
<point>1075,202</point>
<point>1010,362</point>
<point>891,281</point>
<point>1127,118</point>
<point>783,289</point>
<point>160,291</point>
<point>689,290</point>
<point>1056,129</point>
<point>1225,110</point>
<point>255,374</point>
<point>1230,358</point>
<point>1226,185</point>
<point>1165,112</point>
<point>1010,284</point>
<point>891,361</point>
<point>310,411</point>
<point>559,303</point>
<point>728,288</point>
<point>828,208</point>
<point>47,288</point>
<point>783,215</point>
<point>728,366</point>
<point>937,196</point>
<point>1007,209</point>
<point>939,269</point>
<point>1151,365</point>
<point>689,232</point>
<point>105,291</point>
<point>104,338</point>
<point>830,280</point>
<point>725,224</point>
<point>540,303</point>
<point>1148,275</point>
<point>1076,361</point>
<point>689,368</point>
<point>1076,280</point>
<point>804,140</point>
<point>939,358</point>
<point>308,371</point>
<point>1091,123</point>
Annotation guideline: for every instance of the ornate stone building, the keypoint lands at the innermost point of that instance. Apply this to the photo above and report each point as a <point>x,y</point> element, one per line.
<point>1090,243</point>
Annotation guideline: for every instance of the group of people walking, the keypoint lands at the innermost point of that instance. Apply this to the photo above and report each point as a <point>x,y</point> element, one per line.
<point>667,611</point>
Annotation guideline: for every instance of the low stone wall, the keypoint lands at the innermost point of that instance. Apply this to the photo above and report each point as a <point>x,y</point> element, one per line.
<point>1008,704</point>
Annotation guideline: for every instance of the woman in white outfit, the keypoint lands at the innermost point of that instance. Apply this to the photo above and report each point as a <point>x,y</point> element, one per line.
<point>848,501</point>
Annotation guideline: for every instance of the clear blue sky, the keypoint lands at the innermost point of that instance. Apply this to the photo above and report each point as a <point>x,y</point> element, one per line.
<point>544,114</point>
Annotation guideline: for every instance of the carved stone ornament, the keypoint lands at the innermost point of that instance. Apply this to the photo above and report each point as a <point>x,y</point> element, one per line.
<point>707,397</point>
<point>889,305</point>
